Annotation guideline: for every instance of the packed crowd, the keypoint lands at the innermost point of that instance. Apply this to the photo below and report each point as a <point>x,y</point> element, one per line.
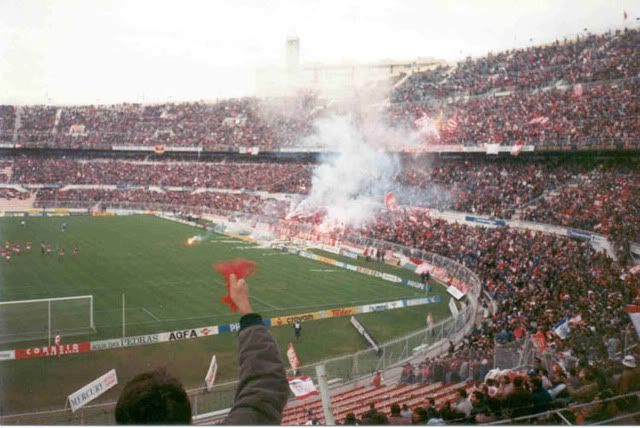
<point>601,200</point>
<point>537,280</point>
<point>595,57</point>
<point>7,121</point>
<point>13,194</point>
<point>598,114</point>
<point>505,394</point>
<point>169,200</point>
<point>270,177</point>
<point>224,125</point>
<point>489,188</point>
<point>579,93</point>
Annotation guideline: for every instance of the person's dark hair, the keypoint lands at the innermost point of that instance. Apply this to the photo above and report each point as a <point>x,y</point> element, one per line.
<point>518,382</point>
<point>155,398</point>
<point>479,395</point>
<point>378,418</point>
<point>421,414</point>
<point>350,419</point>
<point>536,382</point>
<point>462,392</point>
<point>432,401</point>
<point>395,410</point>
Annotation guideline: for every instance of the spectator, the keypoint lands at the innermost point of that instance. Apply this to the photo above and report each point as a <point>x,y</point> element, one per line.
<point>463,404</point>
<point>405,412</point>
<point>518,403</point>
<point>156,398</point>
<point>418,416</point>
<point>481,412</point>
<point>587,388</point>
<point>540,398</point>
<point>377,380</point>
<point>431,411</point>
<point>350,419</point>
<point>396,418</point>
<point>630,379</point>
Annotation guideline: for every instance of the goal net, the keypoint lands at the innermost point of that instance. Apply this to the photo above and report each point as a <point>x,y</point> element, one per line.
<point>22,320</point>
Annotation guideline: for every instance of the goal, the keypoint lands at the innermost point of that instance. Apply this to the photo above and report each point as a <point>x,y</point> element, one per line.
<point>22,320</point>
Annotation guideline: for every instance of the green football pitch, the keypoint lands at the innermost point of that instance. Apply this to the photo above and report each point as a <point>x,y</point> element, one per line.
<point>169,285</point>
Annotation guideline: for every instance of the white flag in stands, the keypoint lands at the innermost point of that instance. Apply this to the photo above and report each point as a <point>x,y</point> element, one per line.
<point>302,387</point>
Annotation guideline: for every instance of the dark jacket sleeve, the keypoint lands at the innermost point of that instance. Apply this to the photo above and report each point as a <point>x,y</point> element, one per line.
<point>263,388</point>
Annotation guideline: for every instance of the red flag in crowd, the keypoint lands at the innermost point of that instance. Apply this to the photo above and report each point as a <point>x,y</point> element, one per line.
<point>390,201</point>
<point>452,123</point>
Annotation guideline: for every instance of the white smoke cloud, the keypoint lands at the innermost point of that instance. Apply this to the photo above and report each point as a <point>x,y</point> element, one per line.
<point>349,183</point>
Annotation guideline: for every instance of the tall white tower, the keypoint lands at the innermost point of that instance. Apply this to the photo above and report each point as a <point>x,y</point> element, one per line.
<point>293,56</point>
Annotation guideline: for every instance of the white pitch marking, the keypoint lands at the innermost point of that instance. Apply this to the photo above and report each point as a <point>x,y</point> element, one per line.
<point>151,314</point>
<point>264,303</point>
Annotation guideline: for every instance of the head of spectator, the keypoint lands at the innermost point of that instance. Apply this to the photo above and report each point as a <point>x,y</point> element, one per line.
<point>350,419</point>
<point>155,398</point>
<point>395,409</point>
<point>419,416</point>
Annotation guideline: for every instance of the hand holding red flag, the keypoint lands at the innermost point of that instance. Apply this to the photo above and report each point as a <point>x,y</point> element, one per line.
<point>241,268</point>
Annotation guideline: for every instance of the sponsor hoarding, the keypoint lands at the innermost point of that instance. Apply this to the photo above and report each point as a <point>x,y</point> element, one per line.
<point>93,390</point>
<point>49,351</point>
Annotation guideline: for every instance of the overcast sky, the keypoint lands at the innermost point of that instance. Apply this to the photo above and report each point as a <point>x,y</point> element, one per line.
<point>105,51</point>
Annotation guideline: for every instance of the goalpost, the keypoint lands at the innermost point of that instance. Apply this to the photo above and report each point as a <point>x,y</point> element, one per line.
<point>22,320</point>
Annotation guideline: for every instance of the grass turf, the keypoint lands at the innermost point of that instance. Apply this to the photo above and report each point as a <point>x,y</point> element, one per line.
<point>169,285</point>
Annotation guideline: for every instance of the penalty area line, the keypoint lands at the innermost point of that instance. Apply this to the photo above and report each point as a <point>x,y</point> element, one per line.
<point>148,312</point>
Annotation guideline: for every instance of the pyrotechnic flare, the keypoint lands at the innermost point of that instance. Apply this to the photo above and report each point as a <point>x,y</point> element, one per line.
<point>193,240</point>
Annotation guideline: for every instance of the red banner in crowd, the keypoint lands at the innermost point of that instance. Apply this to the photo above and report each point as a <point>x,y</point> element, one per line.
<point>50,351</point>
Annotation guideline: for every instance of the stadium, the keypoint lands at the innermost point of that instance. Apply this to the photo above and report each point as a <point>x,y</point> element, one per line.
<point>452,242</point>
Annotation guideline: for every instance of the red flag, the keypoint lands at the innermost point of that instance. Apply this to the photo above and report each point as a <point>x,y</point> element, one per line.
<point>241,268</point>
<point>452,124</point>
<point>390,201</point>
<point>539,341</point>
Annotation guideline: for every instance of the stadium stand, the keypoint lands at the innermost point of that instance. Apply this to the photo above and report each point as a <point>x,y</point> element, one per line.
<point>573,95</point>
<point>596,197</point>
<point>596,57</point>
